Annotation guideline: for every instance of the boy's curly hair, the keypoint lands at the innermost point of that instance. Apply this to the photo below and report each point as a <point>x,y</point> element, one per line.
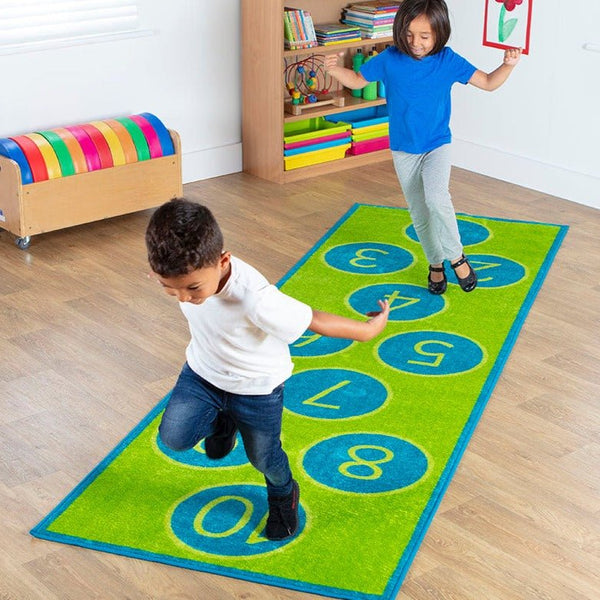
<point>182,236</point>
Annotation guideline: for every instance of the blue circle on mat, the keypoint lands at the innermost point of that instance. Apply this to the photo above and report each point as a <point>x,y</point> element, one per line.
<point>227,520</point>
<point>407,302</point>
<point>313,344</point>
<point>333,393</point>
<point>196,456</point>
<point>493,271</point>
<point>430,353</point>
<point>365,463</point>
<point>370,258</point>
<point>470,232</point>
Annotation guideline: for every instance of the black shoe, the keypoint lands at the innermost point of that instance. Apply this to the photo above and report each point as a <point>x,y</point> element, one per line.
<point>283,515</point>
<point>468,283</point>
<point>222,441</point>
<point>437,287</point>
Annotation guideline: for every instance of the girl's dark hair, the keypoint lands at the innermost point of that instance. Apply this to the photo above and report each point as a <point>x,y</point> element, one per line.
<point>182,236</point>
<point>437,13</point>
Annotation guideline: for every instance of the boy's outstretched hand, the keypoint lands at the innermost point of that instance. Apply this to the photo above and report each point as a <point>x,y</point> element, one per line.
<point>379,319</point>
<point>512,56</point>
<point>337,326</point>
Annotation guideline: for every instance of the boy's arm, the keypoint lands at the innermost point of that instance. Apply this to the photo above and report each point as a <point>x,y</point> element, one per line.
<point>337,326</point>
<point>492,81</point>
<point>347,77</point>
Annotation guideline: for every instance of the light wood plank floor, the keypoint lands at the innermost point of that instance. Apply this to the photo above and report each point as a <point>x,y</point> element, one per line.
<point>88,344</point>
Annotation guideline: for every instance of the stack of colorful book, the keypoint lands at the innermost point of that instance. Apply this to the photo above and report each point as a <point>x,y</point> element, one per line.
<point>375,19</point>
<point>329,34</point>
<point>299,31</point>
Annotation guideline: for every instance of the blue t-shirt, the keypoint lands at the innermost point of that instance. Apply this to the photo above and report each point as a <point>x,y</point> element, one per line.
<point>418,95</point>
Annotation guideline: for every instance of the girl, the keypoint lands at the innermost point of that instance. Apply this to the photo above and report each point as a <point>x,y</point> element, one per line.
<point>418,73</point>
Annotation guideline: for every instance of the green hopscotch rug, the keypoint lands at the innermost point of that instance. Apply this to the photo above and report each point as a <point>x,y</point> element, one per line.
<point>374,431</point>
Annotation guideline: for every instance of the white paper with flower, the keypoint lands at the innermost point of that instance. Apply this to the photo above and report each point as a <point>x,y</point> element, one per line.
<point>507,24</point>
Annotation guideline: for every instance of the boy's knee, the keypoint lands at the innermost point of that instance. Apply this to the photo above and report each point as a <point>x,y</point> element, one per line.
<point>174,441</point>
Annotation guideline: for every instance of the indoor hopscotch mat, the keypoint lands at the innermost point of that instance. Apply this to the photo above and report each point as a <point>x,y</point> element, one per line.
<point>374,431</point>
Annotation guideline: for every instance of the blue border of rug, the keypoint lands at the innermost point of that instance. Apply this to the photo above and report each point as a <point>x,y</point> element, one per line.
<point>396,580</point>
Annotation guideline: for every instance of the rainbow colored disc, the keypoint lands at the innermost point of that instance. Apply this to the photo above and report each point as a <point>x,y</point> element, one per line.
<point>50,158</point>
<point>62,152</point>
<point>141,145</point>
<point>88,147</point>
<point>74,148</point>
<point>163,133</point>
<point>106,159</point>
<point>12,150</point>
<point>36,161</point>
<point>150,135</point>
<point>113,142</point>
<point>125,138</point>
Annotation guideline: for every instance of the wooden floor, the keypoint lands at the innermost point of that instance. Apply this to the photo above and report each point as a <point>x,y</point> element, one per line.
<point>88,344</point>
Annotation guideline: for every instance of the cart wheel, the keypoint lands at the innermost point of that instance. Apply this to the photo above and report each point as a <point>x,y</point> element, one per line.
<point>23,242</point>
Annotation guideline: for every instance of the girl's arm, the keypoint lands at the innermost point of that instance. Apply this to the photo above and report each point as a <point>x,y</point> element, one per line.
<point>347,77</point>
<point>337,326</point>
<point>492,81</point>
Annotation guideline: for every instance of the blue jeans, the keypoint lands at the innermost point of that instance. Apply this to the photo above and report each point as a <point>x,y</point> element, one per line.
<point>191,415</point>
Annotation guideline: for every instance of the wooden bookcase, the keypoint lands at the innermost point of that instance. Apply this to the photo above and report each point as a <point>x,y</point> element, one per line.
<point>264,93</point>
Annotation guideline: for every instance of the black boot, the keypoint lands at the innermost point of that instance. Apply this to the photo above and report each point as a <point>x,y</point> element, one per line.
<point>283,515</point>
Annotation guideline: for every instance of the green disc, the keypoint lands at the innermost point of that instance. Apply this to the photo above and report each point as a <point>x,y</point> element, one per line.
<point>137,135</point>
<point>62,152</point>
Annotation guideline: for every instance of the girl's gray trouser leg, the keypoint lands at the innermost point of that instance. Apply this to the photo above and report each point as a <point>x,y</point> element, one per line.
<point>424,179</point>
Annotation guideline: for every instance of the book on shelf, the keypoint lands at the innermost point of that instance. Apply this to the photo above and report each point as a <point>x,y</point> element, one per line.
<point>376,6</point>
<point>331,28</point>
<point>336,33</point>
<point>386,27</point>
<point>367,19</point>
<point>299,31</point>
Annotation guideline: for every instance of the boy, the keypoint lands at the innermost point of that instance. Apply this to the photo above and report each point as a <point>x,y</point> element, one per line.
<point>238,357</point>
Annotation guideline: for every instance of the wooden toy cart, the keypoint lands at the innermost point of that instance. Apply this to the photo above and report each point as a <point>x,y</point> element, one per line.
<point>27,210</point>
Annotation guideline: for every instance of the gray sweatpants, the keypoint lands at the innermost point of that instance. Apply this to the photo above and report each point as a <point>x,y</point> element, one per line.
<point>424,179</point>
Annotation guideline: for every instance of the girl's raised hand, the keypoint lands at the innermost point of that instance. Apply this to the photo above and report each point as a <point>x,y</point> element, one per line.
<point>512,56</point>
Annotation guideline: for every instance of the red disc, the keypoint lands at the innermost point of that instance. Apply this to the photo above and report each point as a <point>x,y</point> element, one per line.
<point>89,148</point>
<point>34,157</point>
<point>106,159</point>
<point>150,135</point>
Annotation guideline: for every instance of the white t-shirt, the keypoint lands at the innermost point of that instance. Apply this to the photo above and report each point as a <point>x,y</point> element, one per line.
<point>240,336</point>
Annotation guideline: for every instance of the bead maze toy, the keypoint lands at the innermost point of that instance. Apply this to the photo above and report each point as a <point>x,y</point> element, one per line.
<point>82,173</point>
<point>309,85</point>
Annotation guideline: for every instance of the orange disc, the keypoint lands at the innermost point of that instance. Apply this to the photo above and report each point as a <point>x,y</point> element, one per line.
<point>126,142</point>
<point>75,150</point>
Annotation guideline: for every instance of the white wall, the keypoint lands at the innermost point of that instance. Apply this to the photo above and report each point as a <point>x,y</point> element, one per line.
<point>542,128</point>
<point>187,73</point>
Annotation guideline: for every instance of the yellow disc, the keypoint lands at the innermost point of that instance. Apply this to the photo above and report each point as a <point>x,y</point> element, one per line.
<point>116,149</point>
<point>50,158</point>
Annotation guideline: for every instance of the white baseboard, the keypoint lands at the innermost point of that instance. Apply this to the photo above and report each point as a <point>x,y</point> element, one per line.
<point>213,162</point>
<point>546,178</point>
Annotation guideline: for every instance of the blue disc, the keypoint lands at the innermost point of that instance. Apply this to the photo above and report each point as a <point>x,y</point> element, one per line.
<point>11,150</point>
<point>164,137</point>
